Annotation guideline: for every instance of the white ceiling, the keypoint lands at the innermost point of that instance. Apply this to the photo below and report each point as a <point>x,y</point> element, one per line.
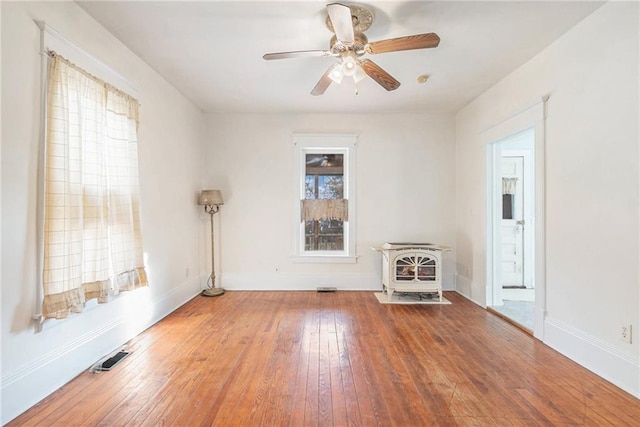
<point>212,50</point>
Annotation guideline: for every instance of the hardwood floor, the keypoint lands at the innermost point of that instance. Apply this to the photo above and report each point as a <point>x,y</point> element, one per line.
<point>334,359</point>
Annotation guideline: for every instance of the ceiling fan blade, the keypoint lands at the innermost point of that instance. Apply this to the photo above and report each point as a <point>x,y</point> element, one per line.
<point>323,83</point>
<point>383,78</point>
<point>419,41</point>
<point>296,54</point>
<point>342,22</point>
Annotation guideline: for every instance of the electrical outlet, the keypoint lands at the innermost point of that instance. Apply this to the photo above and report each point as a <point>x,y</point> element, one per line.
<point>186,272</point>
<point>625,332</point>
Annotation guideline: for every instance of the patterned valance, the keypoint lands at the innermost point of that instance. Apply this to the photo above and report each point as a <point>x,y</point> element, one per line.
<point>317,209</point>
<point>509,185</point>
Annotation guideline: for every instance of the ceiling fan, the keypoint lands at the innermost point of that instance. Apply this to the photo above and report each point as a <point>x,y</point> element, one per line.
<point>349,44</point>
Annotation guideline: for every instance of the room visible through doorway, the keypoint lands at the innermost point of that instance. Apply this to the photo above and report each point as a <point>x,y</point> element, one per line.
<point>513,200</point>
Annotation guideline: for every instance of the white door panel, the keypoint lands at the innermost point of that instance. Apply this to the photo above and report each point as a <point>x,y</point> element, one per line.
<point>512,229</point>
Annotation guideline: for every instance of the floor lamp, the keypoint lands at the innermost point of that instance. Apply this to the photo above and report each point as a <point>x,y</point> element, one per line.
<point>211,200</point>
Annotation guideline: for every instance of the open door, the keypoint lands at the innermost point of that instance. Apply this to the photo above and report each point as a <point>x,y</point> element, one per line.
<point>512,174</point>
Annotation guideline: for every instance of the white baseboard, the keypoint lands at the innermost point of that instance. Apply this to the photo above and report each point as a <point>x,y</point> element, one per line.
<point>308,281</point>
<point>598,356</point>
<point>463,287</point>
<point>23,388</point>
<point>299,281</point>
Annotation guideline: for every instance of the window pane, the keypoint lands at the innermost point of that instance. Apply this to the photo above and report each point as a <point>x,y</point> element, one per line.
<point>324,235</point>
<point>507,206</point>
<point>324,161</point>
<point>310,187</point>
<point>324,180</point>
<point>330,187</point>
<point>324,187</point>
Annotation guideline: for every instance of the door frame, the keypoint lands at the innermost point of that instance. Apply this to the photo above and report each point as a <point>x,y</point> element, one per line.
<point>531,117</point>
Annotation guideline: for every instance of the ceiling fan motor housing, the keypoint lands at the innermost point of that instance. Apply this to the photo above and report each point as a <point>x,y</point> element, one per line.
<point>359,42</point>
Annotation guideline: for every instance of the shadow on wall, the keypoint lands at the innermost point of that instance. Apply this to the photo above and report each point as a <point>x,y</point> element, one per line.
<point>464,264</point>
<point>23,313</point>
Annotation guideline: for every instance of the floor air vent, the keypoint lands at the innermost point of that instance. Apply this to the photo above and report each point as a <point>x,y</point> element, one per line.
<point>326,289</point>
<point>108,364</point>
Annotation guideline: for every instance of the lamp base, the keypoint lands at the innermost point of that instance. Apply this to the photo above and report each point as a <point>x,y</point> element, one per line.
<point>212,292</point>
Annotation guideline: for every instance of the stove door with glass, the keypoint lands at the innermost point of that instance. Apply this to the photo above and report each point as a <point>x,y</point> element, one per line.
<point>412,270</point>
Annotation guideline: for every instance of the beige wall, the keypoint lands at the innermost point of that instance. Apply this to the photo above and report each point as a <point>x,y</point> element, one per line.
<point>592,187</point>
<point>170,138</point>
<point>405,192</point>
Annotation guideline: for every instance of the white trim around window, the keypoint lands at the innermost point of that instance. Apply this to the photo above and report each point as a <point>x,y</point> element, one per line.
<point>325,143</point>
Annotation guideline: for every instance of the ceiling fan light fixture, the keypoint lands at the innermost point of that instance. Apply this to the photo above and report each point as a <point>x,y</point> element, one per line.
<point>349,64</point>
<point>336,74</point>
<point>359,73</point>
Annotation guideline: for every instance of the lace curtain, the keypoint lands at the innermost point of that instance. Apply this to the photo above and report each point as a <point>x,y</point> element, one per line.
<point>92,236</point>
<point>317,209</point>
<point>509,185</point>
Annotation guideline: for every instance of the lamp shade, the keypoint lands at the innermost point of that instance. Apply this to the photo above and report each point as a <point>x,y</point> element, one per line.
<point>210,197</point>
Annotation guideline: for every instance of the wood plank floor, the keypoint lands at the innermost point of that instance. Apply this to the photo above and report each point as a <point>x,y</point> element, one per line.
<point>335,359</point>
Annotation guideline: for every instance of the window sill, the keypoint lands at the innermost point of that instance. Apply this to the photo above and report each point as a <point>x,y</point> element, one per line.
<point>324,259</point>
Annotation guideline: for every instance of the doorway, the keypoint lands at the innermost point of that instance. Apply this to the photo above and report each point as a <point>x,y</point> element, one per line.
<point>513,176</point>
<point>522,133</point>
<point>513,228</point>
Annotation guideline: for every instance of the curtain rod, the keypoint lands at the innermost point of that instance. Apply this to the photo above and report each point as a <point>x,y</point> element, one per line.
<point>46,28</point>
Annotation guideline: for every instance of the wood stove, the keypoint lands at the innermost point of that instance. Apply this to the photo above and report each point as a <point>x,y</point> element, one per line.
<point>412,267</point>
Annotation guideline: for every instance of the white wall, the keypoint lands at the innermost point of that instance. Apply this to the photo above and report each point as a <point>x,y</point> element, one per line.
<point>405,192</point>
<point>592,209</point>
<point>170,140</point>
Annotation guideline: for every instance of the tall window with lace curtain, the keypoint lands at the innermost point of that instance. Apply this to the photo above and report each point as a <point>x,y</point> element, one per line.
<point>325,214</point>
<point>92,235</point>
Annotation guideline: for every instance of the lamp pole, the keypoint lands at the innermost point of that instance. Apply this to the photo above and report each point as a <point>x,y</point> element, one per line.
<point>212,291</point>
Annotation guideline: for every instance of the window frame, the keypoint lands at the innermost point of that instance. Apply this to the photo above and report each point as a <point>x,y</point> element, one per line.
<point>326,144</point>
